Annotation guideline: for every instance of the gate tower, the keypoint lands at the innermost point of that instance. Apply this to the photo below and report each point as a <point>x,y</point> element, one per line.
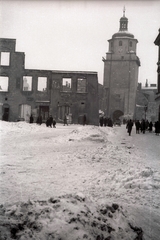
<point>121,67</point>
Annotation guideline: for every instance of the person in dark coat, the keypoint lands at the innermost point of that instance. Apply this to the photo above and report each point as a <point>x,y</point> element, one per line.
<point>101,121</point>
<point>84,120</point>
<point>51,120</point>
<point>138,125</point>
<point>105,121</point>
<point>48,122</point>
<point>157,128</point>
<point>31,119</point>
<point>110,122</point>
<point>150,126</point>
<point>54,123</point>
<point>143,126</point>
<point>129,127</point>
<point>65,120</point>
<point>39,120</point>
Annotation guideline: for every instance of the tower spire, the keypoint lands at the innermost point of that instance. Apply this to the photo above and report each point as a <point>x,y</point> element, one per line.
<point>123,22</point>
<point>124,9</point>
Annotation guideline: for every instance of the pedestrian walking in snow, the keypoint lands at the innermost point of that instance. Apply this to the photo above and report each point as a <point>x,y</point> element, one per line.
<point>65,120</point>
<point>129,127</point>
<point>143,126</point>
<point>110,122</point>
<point>31,119</point>
<point>138,125</point>
<point>157,128</point>
<point>84,120</point>
<point>101,121</point>
<point>54,123</point>
<point>51,120</point>
<point>150,126</point>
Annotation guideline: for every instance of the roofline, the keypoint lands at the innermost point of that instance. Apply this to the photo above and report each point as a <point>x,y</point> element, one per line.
<point>80,72</point>
<point>8,39</point>
<point>62,71</point>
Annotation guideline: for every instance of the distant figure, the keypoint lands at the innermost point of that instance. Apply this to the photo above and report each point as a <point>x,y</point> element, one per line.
<point>157,128</point>
<point>105,121</point>
<point>54,123</point>
<point>150,126</point>
<point>143,126</point>
<point>48,122</point>
<point>51,120</point>
<point>138,126</point>
<point>39,120</point>
<point>84,120</point>
<point>110,122</point>
<point>31,119</point>
<point>129,127</point>
<point>65,120</point>
<point>101,121</point>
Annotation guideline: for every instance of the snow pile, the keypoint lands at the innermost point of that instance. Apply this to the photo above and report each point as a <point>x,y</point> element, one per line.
<point>104,164</point>
<point>69,217</point>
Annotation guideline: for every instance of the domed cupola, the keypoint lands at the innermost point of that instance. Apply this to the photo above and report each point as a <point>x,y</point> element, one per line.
<point>123,29</point>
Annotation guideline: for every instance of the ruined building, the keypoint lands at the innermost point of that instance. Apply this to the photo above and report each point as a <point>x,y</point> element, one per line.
<point>44,92</point>
<point>121,67</point>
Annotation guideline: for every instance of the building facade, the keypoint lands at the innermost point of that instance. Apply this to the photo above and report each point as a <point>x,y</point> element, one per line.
<point>145,102</point>
<point>157,43</point>
<point>44,92</point>
<point>121,67</point>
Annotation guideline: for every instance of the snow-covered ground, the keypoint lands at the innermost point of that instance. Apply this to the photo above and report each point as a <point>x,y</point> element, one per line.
<point>78,181</point>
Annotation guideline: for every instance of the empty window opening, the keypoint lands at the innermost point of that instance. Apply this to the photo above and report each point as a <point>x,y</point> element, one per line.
<point>66,84</point>
<point>81,85</point>
<point>5,56</point>
<point>130,44</point>
<point>4,84</point>
<point>27,83</point>
<point>42,84</point>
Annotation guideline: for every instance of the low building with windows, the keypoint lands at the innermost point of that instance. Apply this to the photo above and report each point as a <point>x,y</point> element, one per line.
<point>44,92</point>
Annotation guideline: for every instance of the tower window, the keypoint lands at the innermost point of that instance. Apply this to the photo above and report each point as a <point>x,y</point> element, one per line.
<point>120,43</point>
<point>130,44</point>
<point>111,44</point>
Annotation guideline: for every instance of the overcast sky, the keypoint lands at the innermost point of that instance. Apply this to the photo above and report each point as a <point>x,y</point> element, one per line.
<point>73,35</point>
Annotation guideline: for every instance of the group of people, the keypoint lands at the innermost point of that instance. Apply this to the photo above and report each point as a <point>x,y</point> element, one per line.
<point>143,126</point>
<point>51,122</point>
<point>104,121</point>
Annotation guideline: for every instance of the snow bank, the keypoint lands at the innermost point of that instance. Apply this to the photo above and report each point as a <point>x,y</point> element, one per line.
<point>69,217</point>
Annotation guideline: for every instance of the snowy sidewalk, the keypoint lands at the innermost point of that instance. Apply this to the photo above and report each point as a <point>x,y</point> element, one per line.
<point>104,164</point>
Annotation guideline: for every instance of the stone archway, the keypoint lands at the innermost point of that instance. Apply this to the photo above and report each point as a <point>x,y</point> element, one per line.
<point>117,114</point>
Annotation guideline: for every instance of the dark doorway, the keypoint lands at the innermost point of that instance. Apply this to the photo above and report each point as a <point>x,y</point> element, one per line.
<point>44,112</point>
<point>117,114</point>
<point>5,114</point>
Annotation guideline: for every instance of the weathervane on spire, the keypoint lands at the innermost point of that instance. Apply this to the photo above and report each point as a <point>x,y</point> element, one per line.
<point>124,11</point>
